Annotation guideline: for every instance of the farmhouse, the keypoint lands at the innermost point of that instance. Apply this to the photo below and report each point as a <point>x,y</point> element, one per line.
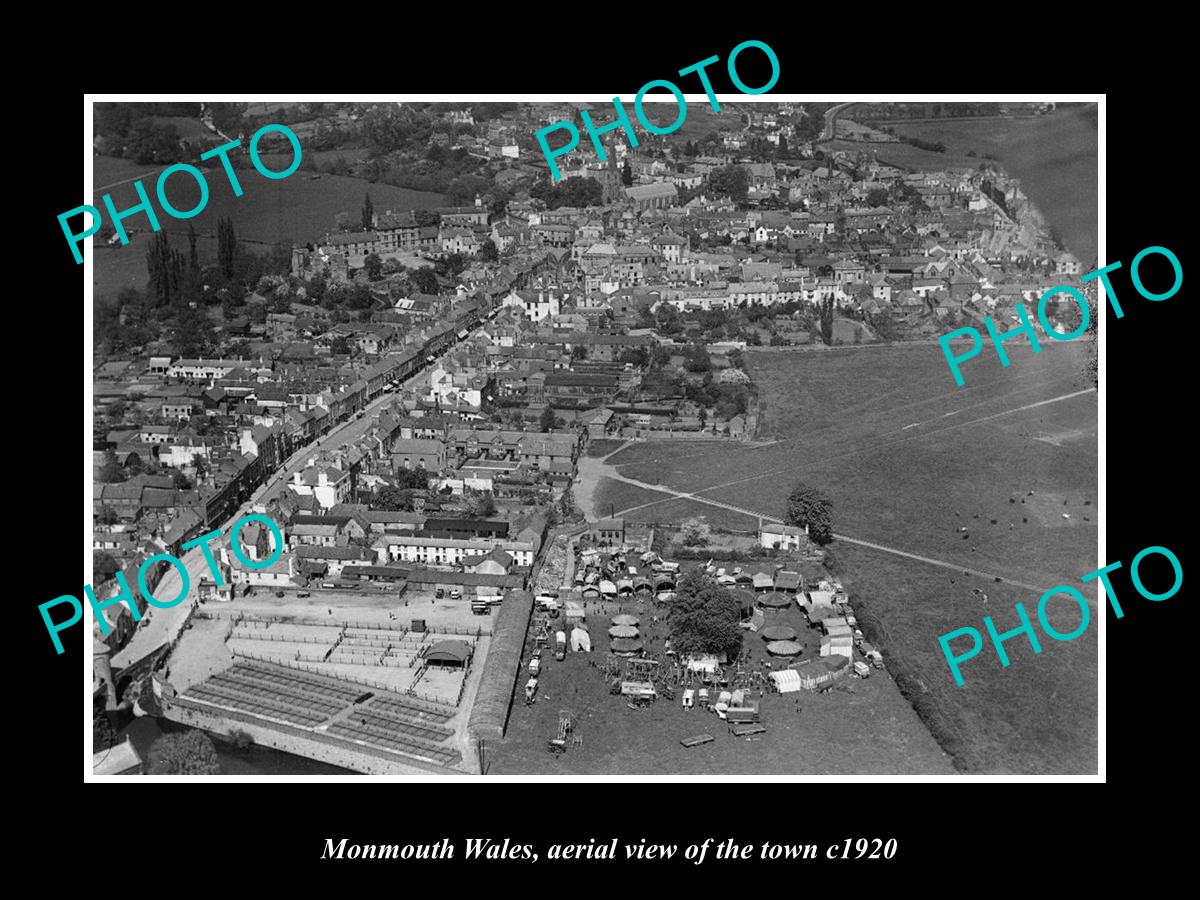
<point>780,537</point>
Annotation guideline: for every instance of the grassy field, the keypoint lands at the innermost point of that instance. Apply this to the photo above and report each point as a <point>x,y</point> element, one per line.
<point>297,208</point>
<point>1038,716</point>
<point>612,495</point>
<point>909,460</point>
<point>867,728</point>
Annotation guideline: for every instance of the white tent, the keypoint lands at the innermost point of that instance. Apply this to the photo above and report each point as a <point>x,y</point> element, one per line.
<point>703,664</point>
<point>607,588</point>
<point>580,640</point>
<point>786,681</point>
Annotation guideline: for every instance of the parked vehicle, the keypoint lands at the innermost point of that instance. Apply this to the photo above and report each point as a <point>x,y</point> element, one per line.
<point>530,689</point>
<point>535,665</point>
<point>456,594</point>
<point>560,645</point>
<point>303,594</point>
<point>639,689</point>
<point>548,600</point>
<point>742,715</point>
<point>440,593</point>
<point>862,670</point>
<point>689,699</point>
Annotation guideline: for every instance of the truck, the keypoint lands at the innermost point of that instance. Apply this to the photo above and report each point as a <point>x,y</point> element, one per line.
<point>547,600</point>
<point>862,670</point>
<point>535,665</point>
<point>560,645</point>
<point>742,715</point>
<point>639,690</point>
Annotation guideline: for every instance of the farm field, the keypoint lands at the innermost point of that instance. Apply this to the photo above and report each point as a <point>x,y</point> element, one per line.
<point>871,730</point>
<point>909,460</point>
<point>298,208</point>
<point>1038,716</point>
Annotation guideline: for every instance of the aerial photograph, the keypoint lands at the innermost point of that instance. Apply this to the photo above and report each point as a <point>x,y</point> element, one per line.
<point>421,449</point>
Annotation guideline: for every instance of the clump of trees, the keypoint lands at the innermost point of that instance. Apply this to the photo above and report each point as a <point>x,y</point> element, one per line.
<point>704,617</point>
<point>190,753</point>
<point>574,191</point>
<point>809,507</point>
<point>731,181</point>
<point>479,504</point>
<point>825,311</point>
<point>694,532</point>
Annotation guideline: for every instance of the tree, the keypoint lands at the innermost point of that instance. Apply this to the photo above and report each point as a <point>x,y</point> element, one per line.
<point>825,309</point>
<point>811,509</point>
<point>107,515</point>
<point>704,618</point>
<point>694,532</point>
<point>877,197</point>
<point>374,266</point>
<point>783,144</point>
<point>413,479</point>
<point>695,358</point>
<point>368,213</point>
<point>480,504</point>
<point>227,247</point>
<point>111,472</point>
<point>391,497</point>
<point>424,280</point>
<point>566,505</point>
<point>547,421</point>
<point>193,332</point>
<point>730,181</point>
<point>451,265</point>
<point>193,256</point>
<point>1091,365</point>
<point>190,753</point>
<point>165,268</point>
<point>181,481</point>
<point>626,173</point>
<point>488,251</point>
<point>104,564</point>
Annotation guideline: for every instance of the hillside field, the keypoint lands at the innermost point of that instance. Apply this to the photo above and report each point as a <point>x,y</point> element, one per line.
<point>298,209</point>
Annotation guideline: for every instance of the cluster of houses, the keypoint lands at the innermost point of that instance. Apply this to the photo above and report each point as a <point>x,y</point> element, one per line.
<point>563,320</point>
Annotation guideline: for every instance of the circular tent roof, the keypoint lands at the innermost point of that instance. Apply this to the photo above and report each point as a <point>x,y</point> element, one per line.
<point>775,600</point>
<point>784,648</point>
<point>454,652</point>
<point>779,633</point>
<point>625,619</point>
<point>626,645</point>
<point>623,631</point>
